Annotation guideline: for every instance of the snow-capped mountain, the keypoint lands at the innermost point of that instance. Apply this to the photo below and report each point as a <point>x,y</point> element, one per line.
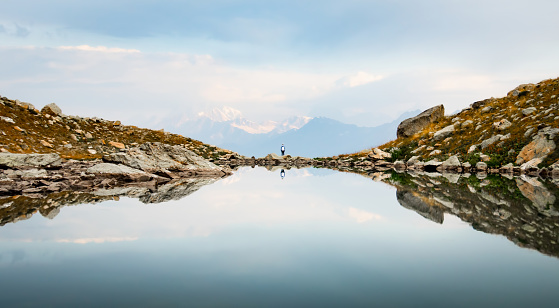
<point>304,136</point>
<point>233,118</point>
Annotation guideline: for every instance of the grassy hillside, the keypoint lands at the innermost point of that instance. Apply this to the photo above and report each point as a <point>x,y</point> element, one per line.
<point>529,108</point>
<point>25,129</point>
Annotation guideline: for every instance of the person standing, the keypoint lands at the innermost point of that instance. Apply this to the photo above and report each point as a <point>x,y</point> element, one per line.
<point>282,149</point>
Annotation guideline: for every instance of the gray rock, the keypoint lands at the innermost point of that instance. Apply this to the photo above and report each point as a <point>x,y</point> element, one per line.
<point>528,111</point>
<point>522,89</point>
<point>486,109</point>
<point>412,126</point>
<point>31,174</point>
<point>29,160</point>
<point>540,147</point>
<point>420,205</point>
<point>452,163</point>
<point>157,157</point>
<point>502,125</point>
<point>466,124</point>
<point>490,141</point>
<point>52,109</point>
<point>9,120</point>
<point>378,154</point>
<point>481,166</point>
<point>443,133</point>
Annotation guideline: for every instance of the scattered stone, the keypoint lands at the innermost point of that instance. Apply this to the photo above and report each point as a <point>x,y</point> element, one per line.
<point>486,109</point>
<point>502,125</point>
<point>378,154</point>
<point>481,166</point>
<point>490,141</point>
<point>46,144</point>
<point>9,120</point>
<point>117,144</point>
<point>467,124</point>
<point>443,133</point>
<point>528,111</point>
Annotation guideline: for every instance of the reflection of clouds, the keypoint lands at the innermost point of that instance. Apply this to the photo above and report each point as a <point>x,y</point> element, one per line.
<point>97,240</point>
<point>231,179</point>
<point>362,216</point>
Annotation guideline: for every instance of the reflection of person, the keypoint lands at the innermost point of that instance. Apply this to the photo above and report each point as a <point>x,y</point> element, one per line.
<point>282,149</point>
<point>282,173</point>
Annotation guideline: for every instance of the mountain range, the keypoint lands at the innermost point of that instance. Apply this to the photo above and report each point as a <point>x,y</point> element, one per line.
<point>303,136</point>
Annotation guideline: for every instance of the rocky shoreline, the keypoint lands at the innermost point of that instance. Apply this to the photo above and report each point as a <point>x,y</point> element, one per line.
<point>149,165</point>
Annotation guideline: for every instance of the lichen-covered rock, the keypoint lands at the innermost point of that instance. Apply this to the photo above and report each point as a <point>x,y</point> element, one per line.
<point>412,126</point>
<point>522,89</point>
<point>443,133</point>
<point>451,164</point>
<point>487,142</point>
<point>502,125</point>
<point>541,146</point>
<point>11,160</point>
<point>52,109</point>
<point>377,154</point>
<point>157,157</point>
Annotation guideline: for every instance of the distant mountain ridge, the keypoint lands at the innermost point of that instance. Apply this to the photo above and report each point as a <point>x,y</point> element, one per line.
<point>303,136</point>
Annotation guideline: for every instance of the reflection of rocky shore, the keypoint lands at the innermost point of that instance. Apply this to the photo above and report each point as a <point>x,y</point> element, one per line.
<point>21,207</point>
<point>523,209</point>
<point>152,172</point>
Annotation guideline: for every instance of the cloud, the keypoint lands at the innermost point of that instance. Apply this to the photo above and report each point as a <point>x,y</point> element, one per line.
<point>358,79</point>
<point>98,49</point>
<point>2,29</point>
<point>97,240</point>
<point>362,216</point>
<point>21,31</point>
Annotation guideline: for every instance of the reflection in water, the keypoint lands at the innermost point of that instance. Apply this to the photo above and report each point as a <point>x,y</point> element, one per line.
<point>322,238</point>
<point>523,209</point>
<point>282,174</point>
<point>16,208</point>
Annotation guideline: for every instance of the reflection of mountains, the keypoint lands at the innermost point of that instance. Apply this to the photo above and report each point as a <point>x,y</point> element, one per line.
<point>522,209</point>
<point>21,207</point>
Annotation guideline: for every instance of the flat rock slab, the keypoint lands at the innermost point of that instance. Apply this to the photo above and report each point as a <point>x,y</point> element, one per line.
<point>12,160</point>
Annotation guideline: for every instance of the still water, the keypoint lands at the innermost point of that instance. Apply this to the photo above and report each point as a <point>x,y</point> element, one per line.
<point>312,238</point>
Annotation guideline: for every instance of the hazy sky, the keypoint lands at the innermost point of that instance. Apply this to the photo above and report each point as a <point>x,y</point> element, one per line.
<point>361,62</point>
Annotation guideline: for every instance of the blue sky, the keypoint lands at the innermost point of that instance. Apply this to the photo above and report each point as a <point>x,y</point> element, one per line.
<point>361,62</point>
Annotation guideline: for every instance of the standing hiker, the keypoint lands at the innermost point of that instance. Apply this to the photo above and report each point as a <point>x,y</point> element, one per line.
<point>282,149</point>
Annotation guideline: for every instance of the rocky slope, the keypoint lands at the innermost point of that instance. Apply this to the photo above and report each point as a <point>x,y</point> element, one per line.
<point>25,129</point>
<point>517,133</point>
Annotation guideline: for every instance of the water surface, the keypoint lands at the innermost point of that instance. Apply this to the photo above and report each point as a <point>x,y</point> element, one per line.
<point>316,237</point>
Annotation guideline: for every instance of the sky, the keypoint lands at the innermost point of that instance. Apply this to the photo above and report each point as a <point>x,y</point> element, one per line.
<point>361,62</point>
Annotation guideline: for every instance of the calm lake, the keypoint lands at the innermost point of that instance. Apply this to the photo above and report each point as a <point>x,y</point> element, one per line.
<point>314,238</point>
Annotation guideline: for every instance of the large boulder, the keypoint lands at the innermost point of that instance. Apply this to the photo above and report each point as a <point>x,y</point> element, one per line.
<point>521,90</point>
<point>412,126</point>
<point>541,146</point>
<point>418,203</point>
<point>52,109</point>
<point>11,160</point>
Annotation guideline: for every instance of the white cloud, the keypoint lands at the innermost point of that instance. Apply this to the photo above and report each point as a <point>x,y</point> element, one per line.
<point>97,240</point>
<point>98,49</point>
<point>362,216</point>
<point>358,79</point>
